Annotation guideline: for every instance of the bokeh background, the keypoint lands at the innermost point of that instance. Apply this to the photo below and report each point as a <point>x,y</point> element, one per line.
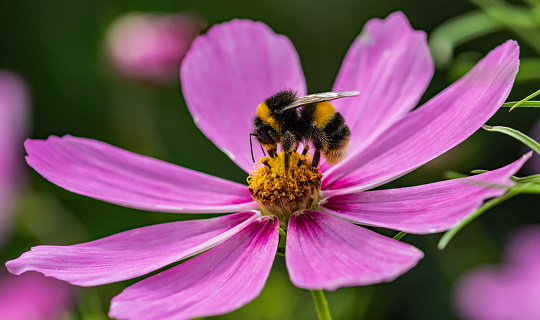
<point>57,47</point>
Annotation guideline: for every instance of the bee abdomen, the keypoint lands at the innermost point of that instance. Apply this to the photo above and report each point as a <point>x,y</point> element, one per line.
<point>337,136</point>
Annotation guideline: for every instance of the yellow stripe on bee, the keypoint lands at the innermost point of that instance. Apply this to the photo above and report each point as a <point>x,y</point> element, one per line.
<point>324,111</point>
<point>263,112</point>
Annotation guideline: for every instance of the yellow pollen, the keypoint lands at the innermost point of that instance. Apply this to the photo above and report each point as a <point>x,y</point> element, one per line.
<point>282,193</point>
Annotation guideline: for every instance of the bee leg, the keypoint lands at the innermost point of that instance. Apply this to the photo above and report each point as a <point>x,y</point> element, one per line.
<point>287,158</point>
<point>318,140</point>
<point>316,158</point>
<point>288,145</point>
<point>306,149</point>
<point>304,152</point>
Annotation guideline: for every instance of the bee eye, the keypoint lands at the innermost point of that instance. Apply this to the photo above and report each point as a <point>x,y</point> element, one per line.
<point>263,135</point>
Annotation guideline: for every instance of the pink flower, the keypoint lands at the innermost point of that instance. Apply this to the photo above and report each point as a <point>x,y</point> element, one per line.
<point>150,47</point>
<point>33,297</point>
<point>14,115</point>
<point>225,75</point>
<point>508,291</point>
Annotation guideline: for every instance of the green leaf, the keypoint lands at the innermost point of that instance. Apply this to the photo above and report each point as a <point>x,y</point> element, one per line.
<point>449,174</point>
<point>475,214</point>
<point>529,97</point>
<point>533,188</point>
<point>399,235</point>
<point>530,142</point>
<point>521,104</point>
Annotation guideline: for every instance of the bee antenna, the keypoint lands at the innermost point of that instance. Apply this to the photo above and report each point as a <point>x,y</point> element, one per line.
<point>251,146</point>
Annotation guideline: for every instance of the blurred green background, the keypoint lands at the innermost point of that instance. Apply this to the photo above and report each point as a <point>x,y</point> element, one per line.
<point>57,47</point>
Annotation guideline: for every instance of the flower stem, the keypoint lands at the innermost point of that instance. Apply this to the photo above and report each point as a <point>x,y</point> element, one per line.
<point>321,305</point>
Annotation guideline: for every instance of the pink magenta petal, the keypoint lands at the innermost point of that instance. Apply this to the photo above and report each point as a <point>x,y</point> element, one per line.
<point>99,170</point>
<point>228,72</point>
<point>216,282</point>
<point>390,65</point>
<point>324,252</point>
<point>34,297</point>
<point>439,125</point>
<point>523,248</point>
<point>131,253</point>
<point>427,208</point>
<point>499,293</point>
<point>507,291</point>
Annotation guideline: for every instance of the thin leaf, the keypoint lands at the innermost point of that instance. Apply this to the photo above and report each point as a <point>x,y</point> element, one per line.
<point>530,142</point>
<point>477,171</point>
<point>448,235</point>
<point>522,104</point>
<point>399,235</point>
<point>515,190</point>
<point>449,174</point>
<point>529,97</point>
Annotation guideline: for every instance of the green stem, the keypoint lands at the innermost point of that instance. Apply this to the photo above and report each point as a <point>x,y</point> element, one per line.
<point>321,305</point>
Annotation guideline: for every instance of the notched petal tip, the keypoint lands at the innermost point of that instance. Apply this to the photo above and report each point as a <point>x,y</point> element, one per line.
<point>228,72</point>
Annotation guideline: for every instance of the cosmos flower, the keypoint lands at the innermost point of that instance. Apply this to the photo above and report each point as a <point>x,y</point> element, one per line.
<point>150,47</point>
<point>33,297</point>
<point>226,74</point>
<point>14,115</point>
<point>506,291</point>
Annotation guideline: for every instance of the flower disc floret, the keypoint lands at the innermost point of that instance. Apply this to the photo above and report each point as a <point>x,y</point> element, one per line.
<point>281,193</point>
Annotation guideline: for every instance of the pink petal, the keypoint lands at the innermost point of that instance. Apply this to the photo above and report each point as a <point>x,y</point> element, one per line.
<point>508,291</point>
<point>324,252</point>
<point>499,293</point>
<point>427,208</point>
<point>131,253</point>
<point>228,72</point>
<point>99,170</point>
<point>34,297</point>
<point>391,66</point>
<point>439,125</point>
<point>523,249</point>
<point>216,282</point>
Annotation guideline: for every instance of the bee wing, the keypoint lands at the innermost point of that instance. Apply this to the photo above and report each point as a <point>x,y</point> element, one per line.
<point>320,97</point>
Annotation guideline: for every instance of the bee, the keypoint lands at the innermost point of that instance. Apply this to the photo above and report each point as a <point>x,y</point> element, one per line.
<point>316,123</point>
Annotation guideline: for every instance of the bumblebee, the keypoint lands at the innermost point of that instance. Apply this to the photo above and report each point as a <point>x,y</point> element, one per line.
<point>289,120</point>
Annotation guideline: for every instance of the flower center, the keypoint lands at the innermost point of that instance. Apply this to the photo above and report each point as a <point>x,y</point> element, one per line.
<point>282,193</point>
